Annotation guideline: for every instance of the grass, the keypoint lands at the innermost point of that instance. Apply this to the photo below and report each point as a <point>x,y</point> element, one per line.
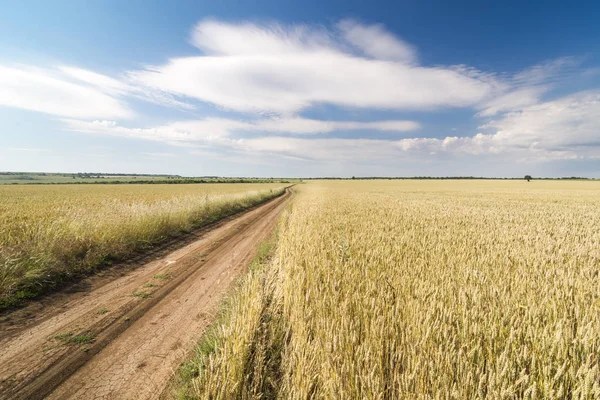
<point>53,234</point>
<point>69,338</point>
<point>102,311</point>
<point>150,285</point>
<point>142,294</point>
<point>63,336</point>
<point>417,289</point>
<point>82,339</point>
<point>162,276</point>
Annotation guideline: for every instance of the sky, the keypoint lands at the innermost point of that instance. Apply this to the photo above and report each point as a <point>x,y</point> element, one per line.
<point>272,88</point>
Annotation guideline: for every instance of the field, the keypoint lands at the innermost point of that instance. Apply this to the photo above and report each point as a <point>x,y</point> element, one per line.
<point>417,289</point>
<point>28,178</point>
<point>49,233</point>
<point>43,178</point>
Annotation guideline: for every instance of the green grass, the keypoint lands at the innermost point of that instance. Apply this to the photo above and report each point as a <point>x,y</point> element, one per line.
<point>142,294</point>
<point>82,339</point>
<point>69,338</point>
<point>162,276</point>
<point>63,336</point>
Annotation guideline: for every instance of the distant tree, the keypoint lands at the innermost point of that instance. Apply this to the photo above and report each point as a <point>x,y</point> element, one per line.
<point>353,177</point>
<point>528,178</point>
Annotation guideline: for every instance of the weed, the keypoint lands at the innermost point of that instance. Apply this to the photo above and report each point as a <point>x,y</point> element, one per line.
<point>82,339</point>
<point>63,336</point>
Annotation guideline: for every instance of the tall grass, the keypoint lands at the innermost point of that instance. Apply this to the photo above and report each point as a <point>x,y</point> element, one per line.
<point>420,290</point>
<point>51,233</point>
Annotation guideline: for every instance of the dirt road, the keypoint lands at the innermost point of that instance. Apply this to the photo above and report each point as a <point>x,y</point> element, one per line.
<point>125,338</point>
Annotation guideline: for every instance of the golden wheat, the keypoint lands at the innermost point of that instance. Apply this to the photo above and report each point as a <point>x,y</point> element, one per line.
<point>418,290</point>
<point>51,232</point>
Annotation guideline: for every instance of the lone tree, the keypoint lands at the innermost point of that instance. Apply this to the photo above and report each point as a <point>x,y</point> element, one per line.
<point>528,178</point>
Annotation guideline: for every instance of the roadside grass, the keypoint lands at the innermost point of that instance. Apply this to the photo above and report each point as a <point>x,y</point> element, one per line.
<point>236,336</point>
<point>51,239</point>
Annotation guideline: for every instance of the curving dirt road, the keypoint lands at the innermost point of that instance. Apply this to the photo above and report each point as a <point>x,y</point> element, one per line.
<point>124,339</point>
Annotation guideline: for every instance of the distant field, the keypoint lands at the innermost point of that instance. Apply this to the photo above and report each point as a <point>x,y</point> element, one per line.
<point>52,232</point>
<point>418,290</point>
<point>29,178</point>
<point>40,178</point>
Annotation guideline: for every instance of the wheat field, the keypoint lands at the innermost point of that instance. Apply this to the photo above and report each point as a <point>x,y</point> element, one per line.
<point>49,233</point>
<point>417,290</point>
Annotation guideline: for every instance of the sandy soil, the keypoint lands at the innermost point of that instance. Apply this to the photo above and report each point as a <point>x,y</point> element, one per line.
<point>124,337</point>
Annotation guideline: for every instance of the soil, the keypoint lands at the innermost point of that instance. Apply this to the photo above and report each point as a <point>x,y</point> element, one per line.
<point>123,334</point>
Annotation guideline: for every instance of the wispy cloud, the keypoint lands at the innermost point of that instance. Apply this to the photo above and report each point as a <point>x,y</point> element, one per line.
<point>273,75</point>
<point>27,149</point>
<point>51,91</point>
<point>211,128</point>
<point>527,87</point>
<point>285,69</point>
<point>565,128</point>
<point>375,41</point>
<point>159,155</point>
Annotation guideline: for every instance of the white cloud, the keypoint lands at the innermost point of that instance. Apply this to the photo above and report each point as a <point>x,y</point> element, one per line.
<point>565,128</point>
<point>311,126</point>
<point>51,91</point>
<point>212,128</point>
<point>248,39</point>
<point>375,41</point>
<point>510,101</point>
<point>546,72</point>
<point>158,155</point>
<point>527,87</point>
<point>255,68</point>
<point>106,83</point>
<point>568,122</point>
<point>27,149</point>
<point>114,86</point>
<point>277,71</point>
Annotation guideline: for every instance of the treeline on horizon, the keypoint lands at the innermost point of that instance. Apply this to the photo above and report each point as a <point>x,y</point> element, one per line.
<point>448,178</point>
<point>99,178</point>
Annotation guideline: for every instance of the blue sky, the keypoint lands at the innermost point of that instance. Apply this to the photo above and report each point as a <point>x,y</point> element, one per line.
<point>303,88</point>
